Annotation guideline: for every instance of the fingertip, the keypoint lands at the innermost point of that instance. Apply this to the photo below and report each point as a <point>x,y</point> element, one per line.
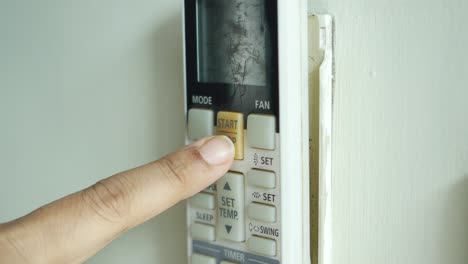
<point>217,150</point>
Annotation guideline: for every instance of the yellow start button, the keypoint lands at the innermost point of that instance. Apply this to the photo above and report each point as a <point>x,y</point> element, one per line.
<point>232,125</point>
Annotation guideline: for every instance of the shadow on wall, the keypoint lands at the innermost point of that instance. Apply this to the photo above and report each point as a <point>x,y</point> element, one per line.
<point>161,53</point>
<point>170,124</point>
<point>454,233</point>
<point>167,59</point>
<point>168,231</point>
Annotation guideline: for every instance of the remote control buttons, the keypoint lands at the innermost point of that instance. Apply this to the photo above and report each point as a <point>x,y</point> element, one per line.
<point>202,259</point>
<point>262,178</point>
<point>203,232</point>
<point>262,245</point>
<point>231,221</point>
<point>200,123</point>
<point>262,212</point>
<point>232,125</point>
<point>261,130</point>
<point>203,200</point>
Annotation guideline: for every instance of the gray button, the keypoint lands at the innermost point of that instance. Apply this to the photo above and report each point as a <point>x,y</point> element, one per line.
<point>262,245</point>
<point>231,222</point>
<point>203,232</point>
<point>227,262</point>
<point>200,123</point>
<point>262,212</point>
<point>261,178</point>
<point>202,259</point>
<point>261,130</point>
<point>203,200</point>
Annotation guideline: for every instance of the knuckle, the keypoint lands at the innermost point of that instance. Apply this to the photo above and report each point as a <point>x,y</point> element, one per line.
<point>176,171</point>
<point>109,199</point>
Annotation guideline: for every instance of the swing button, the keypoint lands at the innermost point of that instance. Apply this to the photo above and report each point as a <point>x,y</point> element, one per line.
<point>262,245</point>
<point>231,124</point>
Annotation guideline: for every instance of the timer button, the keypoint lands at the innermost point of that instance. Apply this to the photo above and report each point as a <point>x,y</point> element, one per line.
<point>200,123</point>
<point>202,259</point>
<point>231,124</point>
<point>261,130</point>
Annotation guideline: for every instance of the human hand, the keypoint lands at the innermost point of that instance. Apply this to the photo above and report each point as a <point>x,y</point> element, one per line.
<point>76,227</point>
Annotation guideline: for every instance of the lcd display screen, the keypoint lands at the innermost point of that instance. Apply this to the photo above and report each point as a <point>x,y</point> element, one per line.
<point>234,42</point>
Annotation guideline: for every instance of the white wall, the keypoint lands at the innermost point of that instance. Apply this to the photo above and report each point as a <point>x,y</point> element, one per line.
<point>400,172</point>
<point>89,88</point>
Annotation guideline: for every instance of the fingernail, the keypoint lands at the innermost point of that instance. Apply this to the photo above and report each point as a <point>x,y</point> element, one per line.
<point>217,150</point>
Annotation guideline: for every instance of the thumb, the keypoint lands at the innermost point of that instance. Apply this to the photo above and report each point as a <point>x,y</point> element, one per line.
<point>74,228</point>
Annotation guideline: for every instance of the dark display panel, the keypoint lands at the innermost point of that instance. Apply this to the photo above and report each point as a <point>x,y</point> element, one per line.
<point>234,42</point>
<point>232,55</point>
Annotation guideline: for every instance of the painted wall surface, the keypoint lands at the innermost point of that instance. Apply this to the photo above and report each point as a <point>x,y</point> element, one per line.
<point>89,88</point>
<point>400,172</point>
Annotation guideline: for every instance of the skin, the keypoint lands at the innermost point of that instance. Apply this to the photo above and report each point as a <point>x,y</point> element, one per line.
<point>76,227</point>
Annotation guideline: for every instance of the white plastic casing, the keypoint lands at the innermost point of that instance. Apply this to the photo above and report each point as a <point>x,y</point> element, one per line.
<point>293,138</point>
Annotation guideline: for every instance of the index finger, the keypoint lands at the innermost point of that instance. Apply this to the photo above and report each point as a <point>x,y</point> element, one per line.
<point>74,228</point>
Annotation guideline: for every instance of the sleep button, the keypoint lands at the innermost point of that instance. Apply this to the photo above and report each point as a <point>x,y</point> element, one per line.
<point>231,124</point>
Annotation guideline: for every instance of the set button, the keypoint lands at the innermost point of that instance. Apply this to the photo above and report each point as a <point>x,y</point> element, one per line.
<point>262,178</point>
<point>262,212</point>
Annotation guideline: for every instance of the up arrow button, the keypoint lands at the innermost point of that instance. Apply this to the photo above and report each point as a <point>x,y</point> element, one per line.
<point>231,207</point>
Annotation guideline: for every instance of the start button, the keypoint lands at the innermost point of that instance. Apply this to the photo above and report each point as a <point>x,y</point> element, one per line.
<point>231,124</point>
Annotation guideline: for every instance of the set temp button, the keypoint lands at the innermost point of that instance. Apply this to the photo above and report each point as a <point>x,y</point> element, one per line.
<point>231,223</point>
